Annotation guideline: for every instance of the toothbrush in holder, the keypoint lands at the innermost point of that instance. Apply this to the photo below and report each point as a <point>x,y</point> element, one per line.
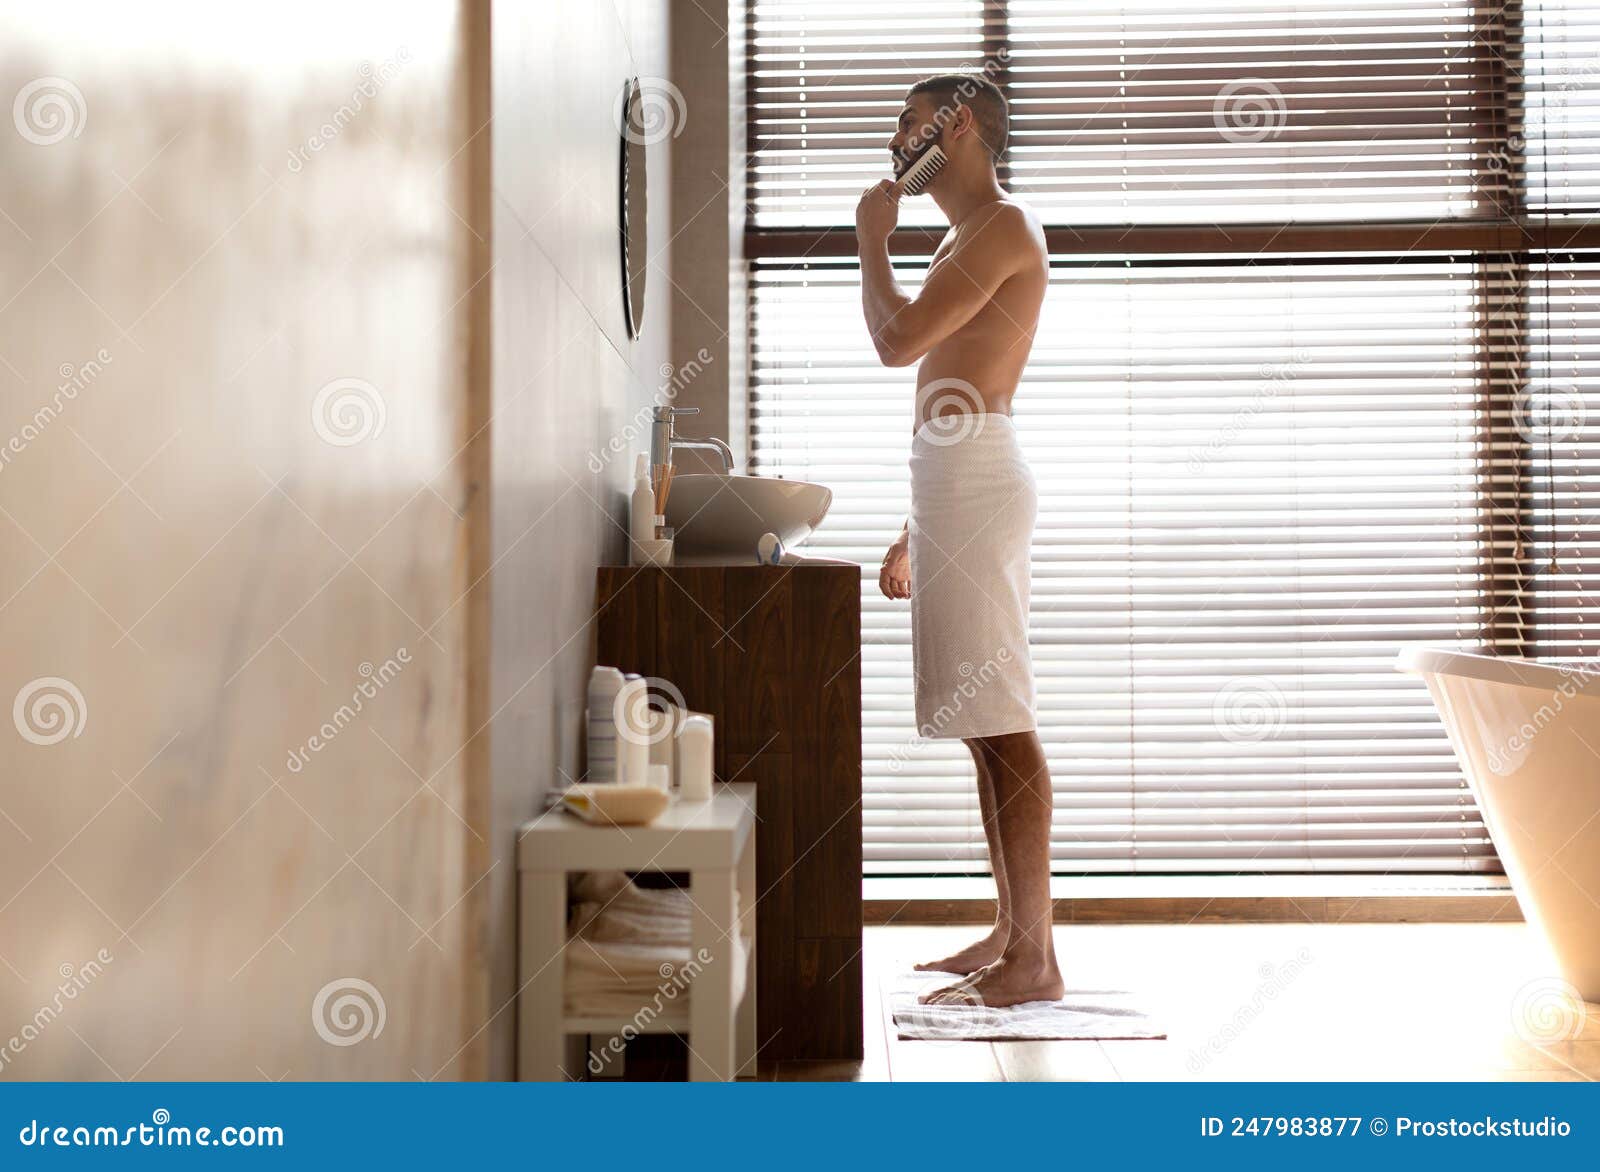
<point>663,486</point>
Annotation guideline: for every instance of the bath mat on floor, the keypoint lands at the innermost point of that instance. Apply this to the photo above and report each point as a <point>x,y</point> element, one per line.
<point>1089,1014</point>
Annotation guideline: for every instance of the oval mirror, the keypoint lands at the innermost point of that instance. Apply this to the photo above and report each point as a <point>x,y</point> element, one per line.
<point>633,209</point>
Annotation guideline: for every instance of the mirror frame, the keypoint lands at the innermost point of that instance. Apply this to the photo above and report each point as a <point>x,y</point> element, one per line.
<point>632,314</point>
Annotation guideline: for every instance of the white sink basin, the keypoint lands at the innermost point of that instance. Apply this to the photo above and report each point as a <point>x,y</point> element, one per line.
<point>713,514</point>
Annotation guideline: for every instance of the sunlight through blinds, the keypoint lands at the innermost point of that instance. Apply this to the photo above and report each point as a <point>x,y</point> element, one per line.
<point>1309,404</point>
<point>1256,483</point>
<point>1141,112</point>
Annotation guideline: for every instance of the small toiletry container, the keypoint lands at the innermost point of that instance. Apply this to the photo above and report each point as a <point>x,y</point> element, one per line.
<point>656,551</point>
<point>694,757</point>
<point>601,725</point>
<point>632,715</point>
<point>642,504</point>
<point>663,738</point>
<point>659,778</point>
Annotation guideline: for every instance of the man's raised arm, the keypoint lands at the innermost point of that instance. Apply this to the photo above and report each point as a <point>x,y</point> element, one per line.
<point>904,328</point>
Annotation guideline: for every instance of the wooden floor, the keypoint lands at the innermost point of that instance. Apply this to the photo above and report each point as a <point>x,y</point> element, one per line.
<point>1346,1002</point>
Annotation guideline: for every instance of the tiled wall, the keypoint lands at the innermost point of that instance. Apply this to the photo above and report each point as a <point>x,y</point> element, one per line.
<point>708,223</point>
<point>569,388</point>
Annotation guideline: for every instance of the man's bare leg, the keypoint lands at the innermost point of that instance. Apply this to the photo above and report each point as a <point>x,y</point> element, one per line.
<point>1027,968</point>
<point>987,950</point>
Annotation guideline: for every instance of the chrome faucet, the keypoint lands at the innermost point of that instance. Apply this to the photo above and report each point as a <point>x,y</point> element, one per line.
<point>663,443</point>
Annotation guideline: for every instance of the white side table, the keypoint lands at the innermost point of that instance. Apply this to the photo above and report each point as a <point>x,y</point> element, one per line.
<point>712,840</point>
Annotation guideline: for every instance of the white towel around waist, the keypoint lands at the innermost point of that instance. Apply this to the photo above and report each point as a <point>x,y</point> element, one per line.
<point>974,502</point>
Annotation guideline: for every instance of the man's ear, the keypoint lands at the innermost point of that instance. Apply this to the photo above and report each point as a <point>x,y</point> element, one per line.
<point>961,123</point>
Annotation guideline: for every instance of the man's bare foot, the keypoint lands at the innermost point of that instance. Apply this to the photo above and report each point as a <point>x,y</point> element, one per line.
<point>970,959</point>
<point>1007,981</point>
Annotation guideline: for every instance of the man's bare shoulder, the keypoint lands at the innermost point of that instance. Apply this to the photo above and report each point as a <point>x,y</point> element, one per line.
<point>1005,222</point>
<point>1024,218</point>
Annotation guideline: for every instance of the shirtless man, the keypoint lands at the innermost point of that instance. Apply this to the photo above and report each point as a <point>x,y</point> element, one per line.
<point>972,326</point>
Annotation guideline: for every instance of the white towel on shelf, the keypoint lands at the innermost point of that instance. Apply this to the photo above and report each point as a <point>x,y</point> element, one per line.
<point>974,502</point>
<point>628,949</point>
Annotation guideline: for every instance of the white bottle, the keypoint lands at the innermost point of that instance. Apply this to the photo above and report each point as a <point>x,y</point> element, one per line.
<point>632,717</point>
<point>660,778</point>
<point>604,684</point>
<point>694,757</point>
<point>663,740</point>
<point>642,506</point>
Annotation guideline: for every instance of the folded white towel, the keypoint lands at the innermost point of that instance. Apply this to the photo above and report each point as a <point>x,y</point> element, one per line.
<point>628,950</point>
<point>974,502</point>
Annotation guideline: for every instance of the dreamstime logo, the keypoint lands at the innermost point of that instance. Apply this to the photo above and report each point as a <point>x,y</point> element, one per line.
<point>1274,980</point>
<point>1547,1010</point>
<point>946,113</point>
<point>347,1011</point>
<point>1507,757</point>
<point>958,1014</point>
<point>673,380</point>
<point>348,411</point>
<point>973,681</point>
<point>659,114</point>
<point>372,80</point>
<point>73,380</point>
<point>74,980</point>
<point>966,421</point>
<point>675,979</point>
<point>637,711</point>
<point>1549,415</point>
<point>48,710</point>
<point>1274,377</point>
<point>1504,158</point>
<point>1250,110</point>
<point>1249,709</point>
<point>373,680</point>
<point>1572,79</point>
<point>49,109</point>
<point>156,1133</point>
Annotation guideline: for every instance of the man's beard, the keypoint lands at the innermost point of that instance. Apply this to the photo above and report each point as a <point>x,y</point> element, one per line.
<point>902,163</point>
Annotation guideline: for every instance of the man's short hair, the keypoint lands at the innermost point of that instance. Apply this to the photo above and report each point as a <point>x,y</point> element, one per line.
<point>975,91</point>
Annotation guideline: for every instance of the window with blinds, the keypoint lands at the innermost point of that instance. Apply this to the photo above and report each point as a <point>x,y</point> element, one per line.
<point>1316,378</point>
<point>1143,112</point>
<point>1561,72</point>
<point>1550,460</point>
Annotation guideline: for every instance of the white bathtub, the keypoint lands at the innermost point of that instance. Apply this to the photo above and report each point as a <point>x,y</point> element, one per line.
<point>1528,738</point>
